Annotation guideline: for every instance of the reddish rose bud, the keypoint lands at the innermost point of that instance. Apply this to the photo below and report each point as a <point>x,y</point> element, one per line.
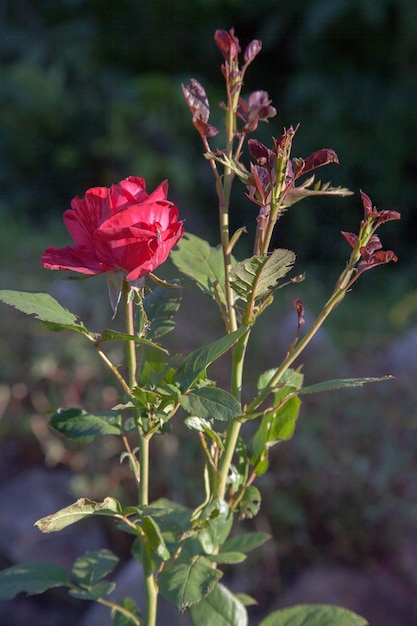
<point>228,44</point>
<point>369,250</point>
<point>380,257</point>
<point>351,238</point>
<point>372,213</point>
<point>257,109</point>
<point>251,50</point>
<point>299,307</point>
<point>118,228</point>
<point>319,158</point>
<point>257,150</point>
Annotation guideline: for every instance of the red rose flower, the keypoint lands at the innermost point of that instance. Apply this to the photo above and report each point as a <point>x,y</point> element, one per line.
<point>118,228</point>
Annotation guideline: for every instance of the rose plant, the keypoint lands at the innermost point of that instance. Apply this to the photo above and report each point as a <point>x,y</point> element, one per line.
<point>127,234</point>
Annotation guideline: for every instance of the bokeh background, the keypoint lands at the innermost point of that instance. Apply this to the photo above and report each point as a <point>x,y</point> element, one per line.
<point>90,92</point>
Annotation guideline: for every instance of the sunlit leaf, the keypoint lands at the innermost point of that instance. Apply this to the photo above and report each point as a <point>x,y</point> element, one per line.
<point>44,307</point>
<point>257,276</point>
<point>81,509</point>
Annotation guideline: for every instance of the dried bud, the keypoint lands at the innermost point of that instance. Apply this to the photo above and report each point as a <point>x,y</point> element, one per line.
<point>198,104</point>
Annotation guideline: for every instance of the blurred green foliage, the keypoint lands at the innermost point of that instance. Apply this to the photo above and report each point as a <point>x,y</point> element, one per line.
<point>90,93</point>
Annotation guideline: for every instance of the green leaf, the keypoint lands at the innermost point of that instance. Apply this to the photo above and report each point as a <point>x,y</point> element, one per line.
<point>101,589</point>
<point>31,578</point>
<point>342,383</point>
<point>122,619</point>
<point>204,264</point>
<point>245,542</point>
<point>275,426</point>
<point>83,427</point>
<point>160,306</point>
<point>204,426</point>
<point>246,599</point>
<point>44,307</point>
<point>220,521</point>
<point>256,277</point>
<point>157,544</point>
<point>175,518</point>
<point>196,363</point>
<point>313,615</point>
<point>188,583</point>
<point>114,335</point>
<point>81,509</point>
<point>295,194</point>
<point>91,567</point>
<point>221,608</point>
<point>228,558</point>
<point>211,403</point>
<point>291,380</point>
<point>250,503</point>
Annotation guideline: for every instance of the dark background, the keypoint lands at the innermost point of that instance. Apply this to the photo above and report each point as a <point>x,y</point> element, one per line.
<point>90,91</point>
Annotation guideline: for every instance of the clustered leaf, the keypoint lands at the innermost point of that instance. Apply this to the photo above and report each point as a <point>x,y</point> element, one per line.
<point>257,276</point>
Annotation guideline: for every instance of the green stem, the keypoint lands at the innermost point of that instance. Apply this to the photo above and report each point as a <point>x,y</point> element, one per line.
<point>235,425</point>
<point>132,619</point>
<point>112,367</point>
<point>144,470</point>
<point>334,300</point>
<point>227,255</point>
<point>130,330</point>
<point>239,351</point>
<point>232,437</point>
<point>151,591</point>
